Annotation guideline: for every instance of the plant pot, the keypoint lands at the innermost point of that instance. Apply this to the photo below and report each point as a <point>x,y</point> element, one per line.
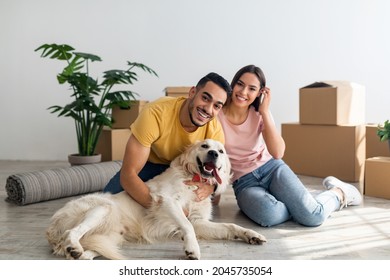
<point>76,159</point>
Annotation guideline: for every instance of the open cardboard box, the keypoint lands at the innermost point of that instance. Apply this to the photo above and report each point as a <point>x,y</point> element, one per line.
<point>332,103</point>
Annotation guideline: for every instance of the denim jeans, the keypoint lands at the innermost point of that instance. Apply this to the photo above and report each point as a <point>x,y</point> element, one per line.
<point>273,194</point>
<point>149,171</point>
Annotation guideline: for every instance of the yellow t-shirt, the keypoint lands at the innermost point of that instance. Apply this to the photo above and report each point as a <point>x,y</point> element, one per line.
<point>158,127</point>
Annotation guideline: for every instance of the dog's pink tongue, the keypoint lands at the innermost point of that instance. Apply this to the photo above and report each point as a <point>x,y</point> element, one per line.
<point>211,166</point>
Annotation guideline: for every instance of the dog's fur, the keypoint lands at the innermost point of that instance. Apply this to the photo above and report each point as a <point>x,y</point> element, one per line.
<point>96,224</point>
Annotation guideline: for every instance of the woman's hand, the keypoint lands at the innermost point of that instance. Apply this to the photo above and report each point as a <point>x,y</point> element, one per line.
<point>265,98</point>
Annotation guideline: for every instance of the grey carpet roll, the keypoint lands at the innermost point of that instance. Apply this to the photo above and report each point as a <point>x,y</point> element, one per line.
<point>31,187</point>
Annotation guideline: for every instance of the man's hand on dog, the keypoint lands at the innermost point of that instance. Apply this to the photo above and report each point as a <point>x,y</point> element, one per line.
<point>202,189</point>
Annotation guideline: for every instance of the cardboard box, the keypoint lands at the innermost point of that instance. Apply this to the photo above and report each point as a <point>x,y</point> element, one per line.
<point>124,117</point>
<point>377,177</point>
<point>374,146</point>
<point>112,143</point>
<point>177,91</point>
<point>332,103</point>
<point>324,150</point>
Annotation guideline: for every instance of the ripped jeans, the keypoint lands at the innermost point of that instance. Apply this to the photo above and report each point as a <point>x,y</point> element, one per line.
<point>273,194</point>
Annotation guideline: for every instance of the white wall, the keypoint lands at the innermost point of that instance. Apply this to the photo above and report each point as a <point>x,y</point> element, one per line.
<point>294,42</point>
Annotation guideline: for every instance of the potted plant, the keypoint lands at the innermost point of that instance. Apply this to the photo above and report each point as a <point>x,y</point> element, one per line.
<point>93,99</point>
<point>384,132</point>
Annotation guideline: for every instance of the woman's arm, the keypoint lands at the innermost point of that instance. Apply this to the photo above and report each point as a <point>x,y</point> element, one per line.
<point>274,141</point>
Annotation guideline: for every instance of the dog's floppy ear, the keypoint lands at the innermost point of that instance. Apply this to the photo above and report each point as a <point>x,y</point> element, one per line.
<point>186,160</point>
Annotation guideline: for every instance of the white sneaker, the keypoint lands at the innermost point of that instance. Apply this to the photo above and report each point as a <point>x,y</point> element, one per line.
<point>352,195</point>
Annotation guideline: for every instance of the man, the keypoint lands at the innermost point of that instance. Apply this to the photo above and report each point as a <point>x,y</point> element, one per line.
<point>163,130</point>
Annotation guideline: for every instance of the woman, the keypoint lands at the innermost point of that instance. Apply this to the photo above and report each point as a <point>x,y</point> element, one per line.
<point>266,189</point>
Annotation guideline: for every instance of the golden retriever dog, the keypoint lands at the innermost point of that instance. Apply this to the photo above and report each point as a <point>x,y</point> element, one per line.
<point>97,224</point>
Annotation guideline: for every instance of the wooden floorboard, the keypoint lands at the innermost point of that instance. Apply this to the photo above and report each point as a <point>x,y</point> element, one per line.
<point>355,233</point>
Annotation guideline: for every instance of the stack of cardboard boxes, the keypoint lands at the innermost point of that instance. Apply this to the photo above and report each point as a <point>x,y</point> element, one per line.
<point>330,138</point>
<point>112,142</point>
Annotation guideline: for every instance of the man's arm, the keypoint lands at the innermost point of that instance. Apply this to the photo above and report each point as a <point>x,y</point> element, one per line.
<point>134,160</point>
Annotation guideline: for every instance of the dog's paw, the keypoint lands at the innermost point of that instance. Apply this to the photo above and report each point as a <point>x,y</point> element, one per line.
<point>72,248</point>
<point>191,249</point>
<point>73,253</point>
<point>191,255</point>
<point>255,238</point>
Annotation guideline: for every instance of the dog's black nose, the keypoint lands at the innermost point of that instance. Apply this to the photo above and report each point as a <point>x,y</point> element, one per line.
<point>213,153</point>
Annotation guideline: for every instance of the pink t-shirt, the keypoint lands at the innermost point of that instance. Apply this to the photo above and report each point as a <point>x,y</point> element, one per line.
<point>244,143</point>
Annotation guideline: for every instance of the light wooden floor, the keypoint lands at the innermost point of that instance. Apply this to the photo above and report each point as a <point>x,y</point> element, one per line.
<point>355,233</point>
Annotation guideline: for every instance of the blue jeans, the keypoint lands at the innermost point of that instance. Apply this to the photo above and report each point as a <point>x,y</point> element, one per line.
<point>273,194</point>
<point>149,171</point>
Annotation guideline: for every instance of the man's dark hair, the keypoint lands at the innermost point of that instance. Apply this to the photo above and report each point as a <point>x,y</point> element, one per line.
<point>217,79</point>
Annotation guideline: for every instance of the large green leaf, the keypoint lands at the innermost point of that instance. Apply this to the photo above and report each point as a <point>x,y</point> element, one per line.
<point>75,65</point>
<point>120,98</point>
<point>103,119</point>
<point>89,56</point>
<point>83,84</point>
<point>54,51</point>
<point>143,67</point>
<point>114,77</point>
<point>66,111</point>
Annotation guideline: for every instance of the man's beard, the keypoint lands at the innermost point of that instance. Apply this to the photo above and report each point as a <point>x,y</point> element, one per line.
<point>190,110</point>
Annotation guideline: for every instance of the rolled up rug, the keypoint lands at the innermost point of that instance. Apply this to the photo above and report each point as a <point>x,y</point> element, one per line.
<point>31,187</point>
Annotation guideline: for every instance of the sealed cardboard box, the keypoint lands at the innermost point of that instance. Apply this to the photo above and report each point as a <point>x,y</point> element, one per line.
<point>112,143</point>
<point>124,117</point>
<point>332,103</point>
<point>374,147</point>
<point>324,150</point>
<point>177,91</point>
<point>377,177</point>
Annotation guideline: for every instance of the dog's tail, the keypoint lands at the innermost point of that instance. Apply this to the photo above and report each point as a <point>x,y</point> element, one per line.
<point>107,246</point>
